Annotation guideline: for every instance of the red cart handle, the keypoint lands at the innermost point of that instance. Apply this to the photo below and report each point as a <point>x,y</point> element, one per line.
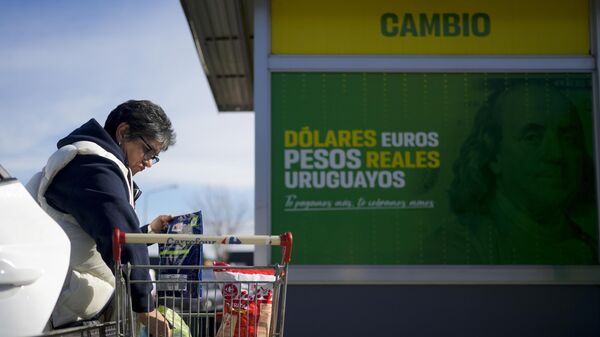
<point>285,240</point>
<point>118,240</point>
<point>286,244</point>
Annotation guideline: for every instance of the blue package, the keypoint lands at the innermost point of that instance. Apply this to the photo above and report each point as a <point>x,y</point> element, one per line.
<point>180,254</point>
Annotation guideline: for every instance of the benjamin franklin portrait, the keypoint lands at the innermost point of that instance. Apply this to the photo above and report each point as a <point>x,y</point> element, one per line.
<point>523,188</point>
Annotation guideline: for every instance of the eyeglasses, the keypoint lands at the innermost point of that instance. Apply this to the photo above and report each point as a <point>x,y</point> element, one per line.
<point>149,154</point>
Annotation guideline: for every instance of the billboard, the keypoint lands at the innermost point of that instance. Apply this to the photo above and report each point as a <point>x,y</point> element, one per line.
<point>434,27</point>
<point>434,168</point>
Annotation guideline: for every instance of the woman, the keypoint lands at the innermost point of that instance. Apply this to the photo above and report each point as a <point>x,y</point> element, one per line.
<point>87,187</point>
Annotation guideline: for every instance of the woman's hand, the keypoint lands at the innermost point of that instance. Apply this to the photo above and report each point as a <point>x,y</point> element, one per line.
<point>159,224</point>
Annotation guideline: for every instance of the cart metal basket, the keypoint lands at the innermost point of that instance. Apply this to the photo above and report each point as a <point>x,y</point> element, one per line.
<point>244,307</point>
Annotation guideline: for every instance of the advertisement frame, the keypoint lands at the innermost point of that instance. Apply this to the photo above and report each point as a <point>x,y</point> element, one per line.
<point>266,64</point>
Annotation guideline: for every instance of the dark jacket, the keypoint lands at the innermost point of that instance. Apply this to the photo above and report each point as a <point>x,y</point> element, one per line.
<point>93,190</point>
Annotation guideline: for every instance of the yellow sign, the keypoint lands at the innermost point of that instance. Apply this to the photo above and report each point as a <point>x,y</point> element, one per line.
<point>492,27</point>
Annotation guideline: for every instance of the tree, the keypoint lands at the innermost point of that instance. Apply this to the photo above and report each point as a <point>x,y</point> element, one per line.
<point>223,212</point>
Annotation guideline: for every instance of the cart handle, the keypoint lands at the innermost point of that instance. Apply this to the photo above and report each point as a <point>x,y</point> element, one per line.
<point>284,240</point>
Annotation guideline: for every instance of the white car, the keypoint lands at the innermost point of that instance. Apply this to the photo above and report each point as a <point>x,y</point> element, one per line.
<point>34,257</point>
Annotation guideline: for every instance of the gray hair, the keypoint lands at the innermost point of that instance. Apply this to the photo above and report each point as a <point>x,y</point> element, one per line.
<point>145,119</point>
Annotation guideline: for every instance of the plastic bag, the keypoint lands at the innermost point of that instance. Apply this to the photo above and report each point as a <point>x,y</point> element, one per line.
<point>180,254</point>
<point>178,326</point>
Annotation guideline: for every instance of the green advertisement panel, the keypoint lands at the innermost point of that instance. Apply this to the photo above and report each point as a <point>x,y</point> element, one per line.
<point>421,168</point>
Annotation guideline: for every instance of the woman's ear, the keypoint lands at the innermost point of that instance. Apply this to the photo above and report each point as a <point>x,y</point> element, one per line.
<point>122,132</point>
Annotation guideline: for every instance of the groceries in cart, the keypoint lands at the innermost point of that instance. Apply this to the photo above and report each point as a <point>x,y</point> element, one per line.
<point>178,326</point>
<point>248,301</point>
<point>253,297</point>
<point>179,254</point>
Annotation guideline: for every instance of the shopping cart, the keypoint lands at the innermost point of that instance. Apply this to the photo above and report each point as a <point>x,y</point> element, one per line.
<point>243,310</point>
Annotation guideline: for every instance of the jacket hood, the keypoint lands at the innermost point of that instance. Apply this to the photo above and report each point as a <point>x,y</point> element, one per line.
<point>92,131</point>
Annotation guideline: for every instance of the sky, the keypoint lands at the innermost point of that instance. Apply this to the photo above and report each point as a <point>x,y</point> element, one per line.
<point>63,62</point>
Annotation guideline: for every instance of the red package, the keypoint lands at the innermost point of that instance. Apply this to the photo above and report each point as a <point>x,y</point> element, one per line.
<point>247,301</point>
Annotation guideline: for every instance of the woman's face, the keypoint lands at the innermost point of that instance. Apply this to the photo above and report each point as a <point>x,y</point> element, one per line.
<point>138,150</point>
<point>139,153</point>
